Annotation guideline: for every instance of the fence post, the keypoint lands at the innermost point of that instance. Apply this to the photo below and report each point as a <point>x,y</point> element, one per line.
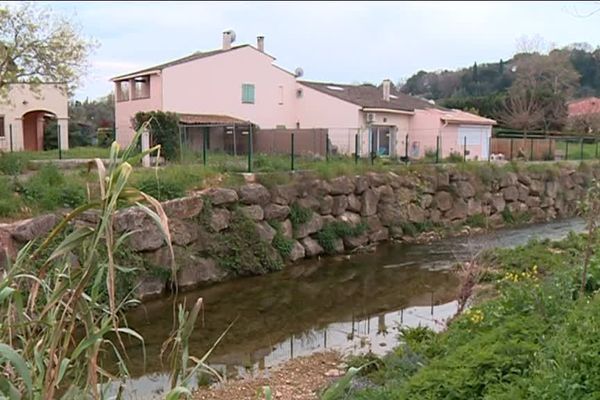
<point>530,149</point>
<point>292,161</point>
<point>549,147</point>
<point>10,137</point>
<point>250,149</point>
<point>465,149</point>
<point>356,148</point>
<point>567,150</point>
<point>489,140</point>
<point>406,149</point>
<point>511,148</point>
<point>596,147</point>
<point>327,147</point>
<point>59,142</point>
<point>204,141</point>
<point>437,149</point>
<point>581,149</point>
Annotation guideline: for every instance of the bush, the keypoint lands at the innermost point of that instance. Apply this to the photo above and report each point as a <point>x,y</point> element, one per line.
<point>299,215</point>
<point>281,243</point>
<point>164,130</point>
<point>161,189</point>
<point>12,163</point>
<point>48,190</point>
<point>9,203</point>
<point>454,158</point>
<point>338,230</point>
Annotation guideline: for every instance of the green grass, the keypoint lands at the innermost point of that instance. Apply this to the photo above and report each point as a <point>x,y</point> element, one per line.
<point>589,150</point>
<point>76,152</point>
<point>537,338</point>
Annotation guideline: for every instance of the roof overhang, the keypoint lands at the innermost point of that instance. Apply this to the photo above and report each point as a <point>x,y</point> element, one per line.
<point>469,121</point>
<point>210,119</point>
<point>387,110</point>
<point>134,75</point>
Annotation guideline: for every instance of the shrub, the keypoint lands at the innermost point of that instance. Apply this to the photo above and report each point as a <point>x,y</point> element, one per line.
<point>299,215</point>
<point>8,201</point>
<point>164,130</point>
<point>48,189</point>
<point>161,189</point>
<point>281,243</point>
<point>454,158</point>
<point>338,230</point>
<point>476,221</point>
<point>12,163</point>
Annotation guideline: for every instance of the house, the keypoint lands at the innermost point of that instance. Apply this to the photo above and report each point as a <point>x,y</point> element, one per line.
<point>222,93</point>
<point>588,105</point>
<point>26,111</point>
<point>584,115</point>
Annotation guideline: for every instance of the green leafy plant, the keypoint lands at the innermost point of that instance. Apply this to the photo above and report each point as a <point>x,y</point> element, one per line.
<point>164,131</point>
<point>299,215</point>
<point>338,230</point>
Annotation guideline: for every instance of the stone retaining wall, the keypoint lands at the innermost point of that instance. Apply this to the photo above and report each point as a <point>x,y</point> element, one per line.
<point>384,205</point>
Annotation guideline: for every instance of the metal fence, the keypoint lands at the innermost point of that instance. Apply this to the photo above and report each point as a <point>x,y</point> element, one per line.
<point>545,148</point>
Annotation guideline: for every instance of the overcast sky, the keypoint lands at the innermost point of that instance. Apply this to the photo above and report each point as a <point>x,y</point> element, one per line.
<point>343,42</point>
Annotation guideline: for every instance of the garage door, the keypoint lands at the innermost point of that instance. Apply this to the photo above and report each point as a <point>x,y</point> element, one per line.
<point>477,140</point>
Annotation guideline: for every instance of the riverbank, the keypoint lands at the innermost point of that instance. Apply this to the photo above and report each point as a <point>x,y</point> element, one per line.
<point>535,337</point>
<point>302,378</point>
<point>256,228</point>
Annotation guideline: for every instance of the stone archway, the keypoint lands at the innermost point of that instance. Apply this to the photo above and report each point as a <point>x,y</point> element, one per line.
<point>34,123</point>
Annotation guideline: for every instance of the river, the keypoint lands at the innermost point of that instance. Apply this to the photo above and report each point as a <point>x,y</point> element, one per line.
<point>352,304</point>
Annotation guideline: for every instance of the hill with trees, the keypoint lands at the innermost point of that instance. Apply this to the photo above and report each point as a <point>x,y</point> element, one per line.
<point>527,92</point>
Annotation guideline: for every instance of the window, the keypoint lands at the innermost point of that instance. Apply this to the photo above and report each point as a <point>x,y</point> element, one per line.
<point>141,87</point>
<point>2,133</point>
<point>248,93</point>
<point>123,91</point>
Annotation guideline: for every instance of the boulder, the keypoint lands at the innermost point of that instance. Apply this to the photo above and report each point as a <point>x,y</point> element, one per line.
<point>517,207</point>
<point>184,208</point>
<point>435,216</point>
<point>254,193</point>
<point>265,232</point>
<point>338,246</point>
<point>536,187</point>
<point>509,179</point>
<point>297,251</point>
<point>376,179</point>
<point>566,182</point>
<point>443,201</point>
<point>465,189</point>
<point>220,196</point>
<point>342,185</point>
<point>405,195</point>
<point>284,194</point>
<point>313,225</point>
<point>219,219</point>
<point>309,202</point>
<point>533,201</point>
<point>385,193</point>
<point>415,213</point>
<point>537,214</point>
<point>319,188</point>
<point>498,202</point>
<point>199,271</point>
<point>276,212</point>
<point>379,235</point>
<point>373,223</point>
<point>149,287</point>
<point>328,219</point>
<point>510,193</point>
<point>146,238</point>
<point>474,207</point>
<point>362,184</point>
<point>458,211</point>
<point>369,203</point>
<point>391,214</point>
<point>426,201</point>
<point>254,212</point>
<point>352,242</point>
<point>396,232</point>
<point>496,220</point>
<point>311,247</point>
<point>354,203</point>
<point>523,193</point>
<point>326,205</point>
<point>443,180</point>
<point>182,232</point>
<point>340,203</point>
<point>8,247</point>
<point>524,178</point>
<point>350,218</point>
<point>552,189</point>
<point>33,228</point>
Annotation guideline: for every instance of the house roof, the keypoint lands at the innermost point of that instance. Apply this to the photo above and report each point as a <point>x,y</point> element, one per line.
<point>462,117</point>
<point>208,119</point>
<point>370,96</point>
<point>192,57</point>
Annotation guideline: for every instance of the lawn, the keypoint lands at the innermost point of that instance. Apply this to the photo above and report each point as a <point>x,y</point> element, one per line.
<point>575,151</point>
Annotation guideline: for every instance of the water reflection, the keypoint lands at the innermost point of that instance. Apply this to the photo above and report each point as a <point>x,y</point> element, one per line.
<point>354,305</point>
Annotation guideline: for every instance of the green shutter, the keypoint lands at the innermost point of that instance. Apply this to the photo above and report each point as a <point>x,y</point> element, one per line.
<point>247,93</point>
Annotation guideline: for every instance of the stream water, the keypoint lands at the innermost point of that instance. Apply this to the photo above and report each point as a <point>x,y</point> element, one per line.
<point>353,304</point>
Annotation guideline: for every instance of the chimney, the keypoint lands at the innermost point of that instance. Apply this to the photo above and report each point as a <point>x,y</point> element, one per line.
<point>260,43</point>
<point>386,89</point>
<point>227,39</point>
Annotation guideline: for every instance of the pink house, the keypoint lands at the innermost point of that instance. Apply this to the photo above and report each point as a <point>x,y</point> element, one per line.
<point>586,106</point>
<point>241,86</point>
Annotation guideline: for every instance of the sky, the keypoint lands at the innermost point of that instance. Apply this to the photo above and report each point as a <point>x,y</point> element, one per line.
<point>345,42</point>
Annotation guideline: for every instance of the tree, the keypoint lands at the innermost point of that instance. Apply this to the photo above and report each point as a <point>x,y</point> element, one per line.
<point>38,46</point>
<point>163,129</point>
<point>541,87</point>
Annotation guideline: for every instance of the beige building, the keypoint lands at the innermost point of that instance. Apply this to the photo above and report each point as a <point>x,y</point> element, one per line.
<point>25,111</point>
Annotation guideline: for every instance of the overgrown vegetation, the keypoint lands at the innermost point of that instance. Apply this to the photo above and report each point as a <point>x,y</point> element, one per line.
<point>237,249</point>
<point>164,131</point>
<point>282,244</point>
<point>338,230</point>
<point>299,215</point>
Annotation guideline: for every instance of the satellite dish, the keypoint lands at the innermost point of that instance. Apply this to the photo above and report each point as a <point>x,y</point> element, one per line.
<point>231,33</point>
<point>298,72</point>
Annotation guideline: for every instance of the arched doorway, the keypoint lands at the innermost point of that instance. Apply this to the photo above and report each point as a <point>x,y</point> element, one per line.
<point>34,124</point>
